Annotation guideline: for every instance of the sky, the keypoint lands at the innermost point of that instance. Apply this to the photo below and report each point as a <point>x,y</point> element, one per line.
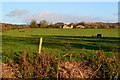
<point>60,0</point>
<point>67,12</point>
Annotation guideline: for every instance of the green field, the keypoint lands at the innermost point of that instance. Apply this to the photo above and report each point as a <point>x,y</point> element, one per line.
<point>57,41</point>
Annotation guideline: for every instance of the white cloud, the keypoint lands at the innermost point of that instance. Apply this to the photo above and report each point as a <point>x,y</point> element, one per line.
<point>17,12</point>
<point>51,17</point>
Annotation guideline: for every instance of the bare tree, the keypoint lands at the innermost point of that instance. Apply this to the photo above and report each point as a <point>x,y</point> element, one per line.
<point>33,24</point>
<point>43,24</point>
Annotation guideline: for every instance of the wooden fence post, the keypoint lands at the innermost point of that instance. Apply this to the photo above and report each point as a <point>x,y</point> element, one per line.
<point>40,46</point>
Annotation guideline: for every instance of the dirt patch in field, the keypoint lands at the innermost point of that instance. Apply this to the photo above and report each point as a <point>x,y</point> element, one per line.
<point>9,71</point>
<point>66,69</point>
<point>74,70</point>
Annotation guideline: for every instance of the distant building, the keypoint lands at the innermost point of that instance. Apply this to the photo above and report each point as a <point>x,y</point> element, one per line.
<point>68,26</point>
<point>80,26</point>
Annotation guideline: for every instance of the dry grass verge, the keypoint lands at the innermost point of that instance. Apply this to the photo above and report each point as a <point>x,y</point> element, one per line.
<point>48,67</point>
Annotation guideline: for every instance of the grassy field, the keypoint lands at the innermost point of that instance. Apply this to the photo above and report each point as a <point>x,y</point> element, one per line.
<point>58,41</point>
<point>62,32</point>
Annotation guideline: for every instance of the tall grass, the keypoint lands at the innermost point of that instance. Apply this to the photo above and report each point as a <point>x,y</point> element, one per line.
<point>51,67</point>
<point>69,55</point>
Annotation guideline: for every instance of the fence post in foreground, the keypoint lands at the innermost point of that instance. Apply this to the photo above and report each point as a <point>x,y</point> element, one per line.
<point>40,46</point>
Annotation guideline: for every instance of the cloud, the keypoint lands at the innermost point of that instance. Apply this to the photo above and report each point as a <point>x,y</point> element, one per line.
<point>17,12</point>
<point>51,17</point>
<point>54,17</point>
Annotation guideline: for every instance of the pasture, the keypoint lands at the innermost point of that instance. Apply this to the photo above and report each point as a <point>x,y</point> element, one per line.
<point>58,42</point>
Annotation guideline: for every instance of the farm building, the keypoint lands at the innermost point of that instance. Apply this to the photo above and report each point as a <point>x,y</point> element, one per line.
<point>80,26</point>
<point>68,26</point>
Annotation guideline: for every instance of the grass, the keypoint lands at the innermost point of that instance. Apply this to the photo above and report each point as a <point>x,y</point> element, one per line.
<point>63,32</point>
<point>49,66</point>
<point>64,44</point>
<point>55,41</point>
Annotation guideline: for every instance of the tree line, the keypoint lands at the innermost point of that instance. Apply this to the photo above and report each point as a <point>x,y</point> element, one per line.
<point>45,24</point>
